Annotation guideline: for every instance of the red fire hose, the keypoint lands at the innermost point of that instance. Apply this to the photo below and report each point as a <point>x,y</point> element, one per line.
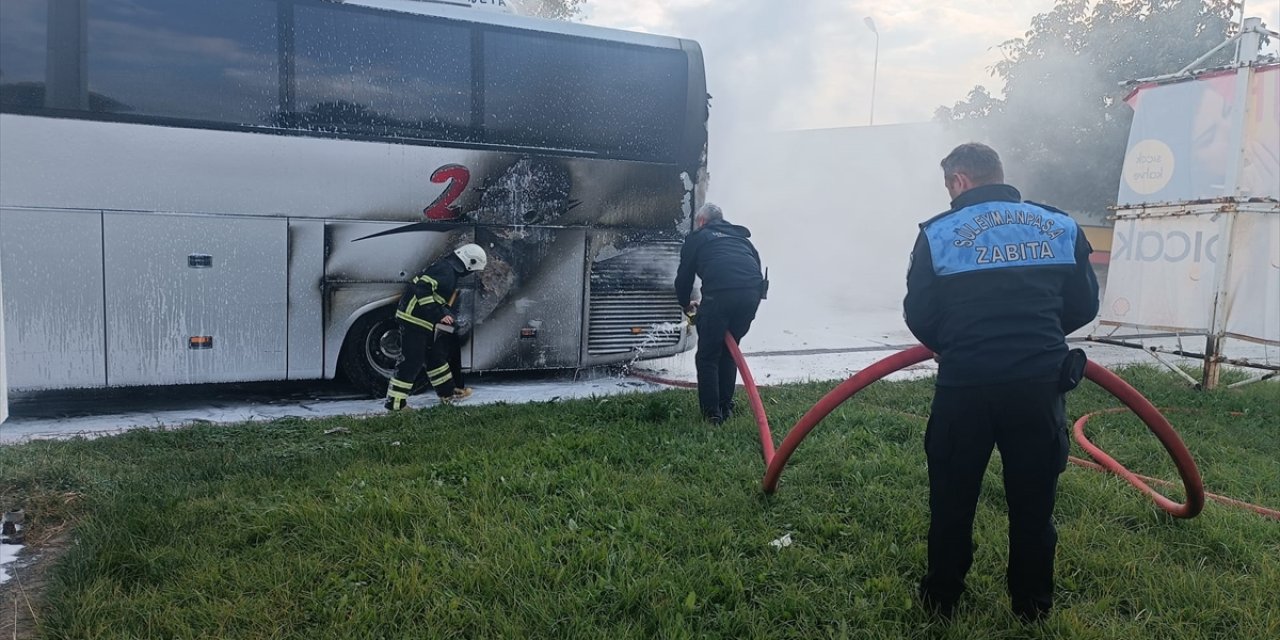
<point>753,394</point>
<point>1231,502</point>
<point>828,403</point>
<point>1164,432</point>
<point>774,463</point>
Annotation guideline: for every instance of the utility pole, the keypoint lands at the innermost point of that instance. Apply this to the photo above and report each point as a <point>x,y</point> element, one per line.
<point>875,67</point>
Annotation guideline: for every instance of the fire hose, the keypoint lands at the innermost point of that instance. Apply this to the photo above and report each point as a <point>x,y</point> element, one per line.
<point>776,459</point>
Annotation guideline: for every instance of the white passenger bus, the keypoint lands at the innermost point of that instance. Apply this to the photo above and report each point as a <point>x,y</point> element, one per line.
<point>198,191</point>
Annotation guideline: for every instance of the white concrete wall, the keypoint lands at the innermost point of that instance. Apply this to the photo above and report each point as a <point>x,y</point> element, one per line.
<point>834,214</point>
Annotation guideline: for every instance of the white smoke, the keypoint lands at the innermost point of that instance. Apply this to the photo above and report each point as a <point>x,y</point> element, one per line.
<point>833,213</point>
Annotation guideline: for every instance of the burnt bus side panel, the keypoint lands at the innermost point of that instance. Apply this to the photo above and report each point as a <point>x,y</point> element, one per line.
<point>529,306</point>
<point>53,307</point>
<point>694,157</point>
<point>365,271</point>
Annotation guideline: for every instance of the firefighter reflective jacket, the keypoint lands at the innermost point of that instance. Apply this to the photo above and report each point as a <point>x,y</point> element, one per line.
<point>429,294</point>
<point>995,285</point>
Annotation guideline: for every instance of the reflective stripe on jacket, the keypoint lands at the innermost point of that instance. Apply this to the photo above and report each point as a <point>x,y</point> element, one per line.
<point>426,299</point>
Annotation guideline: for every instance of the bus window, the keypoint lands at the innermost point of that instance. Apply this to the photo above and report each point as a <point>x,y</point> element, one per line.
<point>212,61</point>
<point>611,99</point>
<point>381,74</point>
<point>23,34</point>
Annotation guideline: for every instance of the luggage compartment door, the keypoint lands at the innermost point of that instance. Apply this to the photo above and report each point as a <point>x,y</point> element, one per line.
<point>528,308</point>
<point>195,299</point>
<point>52,298</point>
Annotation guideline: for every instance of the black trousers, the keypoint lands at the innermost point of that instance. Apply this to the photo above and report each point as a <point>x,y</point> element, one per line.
<point>1027,422</point>
<point>732,311</point>
<point>420,348</point>
<point>452,343</point>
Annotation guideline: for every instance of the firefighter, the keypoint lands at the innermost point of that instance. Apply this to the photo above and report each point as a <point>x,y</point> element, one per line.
<point>732,287</point>
<point>426,322</point>
<point>994,286</point>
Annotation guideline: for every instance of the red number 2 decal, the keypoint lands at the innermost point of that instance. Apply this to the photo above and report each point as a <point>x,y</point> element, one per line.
<point>457,176</point>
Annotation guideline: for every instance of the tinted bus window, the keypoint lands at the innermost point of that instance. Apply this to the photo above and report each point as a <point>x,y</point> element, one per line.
<point>23,36</point>
<point>554,92</point>
<point>380,74</point>
<point>213,61</point>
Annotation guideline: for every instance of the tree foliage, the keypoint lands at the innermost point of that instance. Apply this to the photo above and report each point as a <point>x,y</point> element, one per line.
<point>1062,125</point>
<point>554,9</point>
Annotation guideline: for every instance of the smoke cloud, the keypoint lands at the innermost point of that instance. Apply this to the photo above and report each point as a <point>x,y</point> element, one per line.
<point>834,212</point>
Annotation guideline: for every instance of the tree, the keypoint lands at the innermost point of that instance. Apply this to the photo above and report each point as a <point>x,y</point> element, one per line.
<point>554,9</point>
<point>1062,125</point>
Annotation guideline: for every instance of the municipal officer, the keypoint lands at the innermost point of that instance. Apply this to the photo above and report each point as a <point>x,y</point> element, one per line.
<point>994,286</point>
<point>426,322</point>
<point>722,255</point>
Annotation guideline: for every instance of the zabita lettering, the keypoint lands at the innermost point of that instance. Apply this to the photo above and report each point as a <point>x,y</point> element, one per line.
<point>1022,251</point>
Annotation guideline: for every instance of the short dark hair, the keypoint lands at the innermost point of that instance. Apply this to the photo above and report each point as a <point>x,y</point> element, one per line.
<point>976,160</point>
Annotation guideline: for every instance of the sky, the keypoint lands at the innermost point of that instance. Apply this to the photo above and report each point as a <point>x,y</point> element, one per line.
<point>805,64</point>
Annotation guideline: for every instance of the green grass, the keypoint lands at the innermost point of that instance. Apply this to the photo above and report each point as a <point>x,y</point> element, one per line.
<point>627,518</point>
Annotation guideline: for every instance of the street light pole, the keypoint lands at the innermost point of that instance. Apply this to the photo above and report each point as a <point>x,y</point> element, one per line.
<point>875,66</point>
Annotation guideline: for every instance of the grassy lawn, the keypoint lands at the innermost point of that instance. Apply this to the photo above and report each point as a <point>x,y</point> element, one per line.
<point>626,518</point>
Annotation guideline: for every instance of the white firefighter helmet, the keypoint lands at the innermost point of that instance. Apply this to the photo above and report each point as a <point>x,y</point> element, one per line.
<point>472,257</point>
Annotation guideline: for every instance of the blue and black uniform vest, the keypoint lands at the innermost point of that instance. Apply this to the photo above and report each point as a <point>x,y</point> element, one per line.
<point>995,285</point>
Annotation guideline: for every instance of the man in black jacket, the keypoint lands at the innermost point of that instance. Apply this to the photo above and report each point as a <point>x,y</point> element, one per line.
<point>994,286</point>
<point>425,319</point>
<point>721,254</point>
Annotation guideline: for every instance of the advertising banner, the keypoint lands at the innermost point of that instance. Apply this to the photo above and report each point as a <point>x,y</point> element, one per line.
<point>1180,143</point>
<point>1253,293</point>
<point>1164,269</point>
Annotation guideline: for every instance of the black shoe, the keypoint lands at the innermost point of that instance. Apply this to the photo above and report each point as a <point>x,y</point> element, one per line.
<point>727,411</point>
<point>392,405</point>
<point>944,609</point>
<point>714,419</point>
<point>1031,613</point>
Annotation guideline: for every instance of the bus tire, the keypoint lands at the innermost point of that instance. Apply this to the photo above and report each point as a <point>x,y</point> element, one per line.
<point>372,350</point>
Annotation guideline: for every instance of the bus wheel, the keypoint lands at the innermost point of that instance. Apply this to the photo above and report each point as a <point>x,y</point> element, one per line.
<point>372,351</point>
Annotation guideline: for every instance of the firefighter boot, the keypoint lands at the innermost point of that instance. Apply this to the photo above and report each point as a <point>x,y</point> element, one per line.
<point>726,410</point>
